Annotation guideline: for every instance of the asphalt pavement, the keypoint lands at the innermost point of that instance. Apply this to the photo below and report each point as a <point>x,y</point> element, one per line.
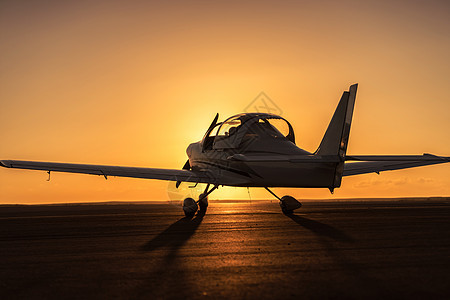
<point>237,250</point>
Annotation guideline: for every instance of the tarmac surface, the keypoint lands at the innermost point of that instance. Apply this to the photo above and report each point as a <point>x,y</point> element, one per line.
<point>243,250</point>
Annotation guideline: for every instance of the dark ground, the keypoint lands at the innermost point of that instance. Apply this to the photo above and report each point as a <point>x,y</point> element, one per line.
<point>346,249</point>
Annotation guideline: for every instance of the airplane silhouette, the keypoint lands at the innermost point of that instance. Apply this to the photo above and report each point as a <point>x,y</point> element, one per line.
<point>259,150</point>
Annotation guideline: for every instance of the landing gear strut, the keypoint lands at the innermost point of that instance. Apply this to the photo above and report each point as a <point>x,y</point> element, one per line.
<point>190,206</point>
<point>287,203</point>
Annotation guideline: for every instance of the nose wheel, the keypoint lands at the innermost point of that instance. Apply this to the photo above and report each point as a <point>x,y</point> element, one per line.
<point>203,202</point>
<point>190,206</point>
<point>287,203</point>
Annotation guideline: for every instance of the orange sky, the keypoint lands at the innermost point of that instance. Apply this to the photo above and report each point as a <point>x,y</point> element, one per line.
<point>134,82</point>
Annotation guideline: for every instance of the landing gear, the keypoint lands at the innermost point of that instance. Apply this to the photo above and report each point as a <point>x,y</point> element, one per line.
<point>203,202</point>
<point>190,206</point>
<point>287,203</point>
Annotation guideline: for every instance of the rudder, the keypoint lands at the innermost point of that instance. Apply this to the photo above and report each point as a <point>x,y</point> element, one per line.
<point>335,140</point>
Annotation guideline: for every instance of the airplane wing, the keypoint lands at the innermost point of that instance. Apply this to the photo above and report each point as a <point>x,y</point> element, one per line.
<point>364,164</point>
<point>146,173</point>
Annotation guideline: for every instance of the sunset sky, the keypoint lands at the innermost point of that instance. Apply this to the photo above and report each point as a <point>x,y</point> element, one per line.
<point>134,82</point>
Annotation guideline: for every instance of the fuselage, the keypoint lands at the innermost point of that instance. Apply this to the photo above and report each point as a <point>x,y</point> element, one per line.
<point>255,135</point>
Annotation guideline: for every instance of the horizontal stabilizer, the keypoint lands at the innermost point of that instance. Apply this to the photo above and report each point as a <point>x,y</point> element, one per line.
<point>424,157</point>
<point>380,163</point>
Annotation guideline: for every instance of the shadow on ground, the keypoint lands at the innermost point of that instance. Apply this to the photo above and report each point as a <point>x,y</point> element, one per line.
<point>322,229</point>
<point>176,234</point>
<point>169,274</point>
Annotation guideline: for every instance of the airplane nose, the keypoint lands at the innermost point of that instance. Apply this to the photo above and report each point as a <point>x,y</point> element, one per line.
<point>189,150</point>
<point>193,149</point>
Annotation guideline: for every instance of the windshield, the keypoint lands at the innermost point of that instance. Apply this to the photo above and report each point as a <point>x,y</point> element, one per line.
<point>275,128</point>
<point>229,127</point>
<point>279,126</point>
<point>240,128</point>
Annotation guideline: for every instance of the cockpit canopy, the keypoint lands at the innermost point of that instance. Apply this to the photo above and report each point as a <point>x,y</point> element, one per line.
<point>241,130</point>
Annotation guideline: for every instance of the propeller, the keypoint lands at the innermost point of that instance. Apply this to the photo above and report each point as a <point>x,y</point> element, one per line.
<point>187,165</point>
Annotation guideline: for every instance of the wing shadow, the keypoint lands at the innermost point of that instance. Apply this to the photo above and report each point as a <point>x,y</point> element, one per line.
<point>322,229</point>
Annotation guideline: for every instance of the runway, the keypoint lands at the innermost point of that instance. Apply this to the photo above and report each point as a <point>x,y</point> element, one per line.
<point>245,250</point>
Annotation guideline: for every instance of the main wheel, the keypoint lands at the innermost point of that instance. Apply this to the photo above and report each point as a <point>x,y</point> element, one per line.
<point>203,203</point>
<point>190,207</point>
<point>288,204</point>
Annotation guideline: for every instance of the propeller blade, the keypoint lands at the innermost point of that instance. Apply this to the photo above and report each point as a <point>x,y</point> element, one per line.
<point>187,166</point>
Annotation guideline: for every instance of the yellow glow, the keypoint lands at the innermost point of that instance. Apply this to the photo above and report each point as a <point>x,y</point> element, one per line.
<point>134,82</point>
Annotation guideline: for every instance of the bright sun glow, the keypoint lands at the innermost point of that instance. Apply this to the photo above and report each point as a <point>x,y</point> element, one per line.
<point>135,82</point>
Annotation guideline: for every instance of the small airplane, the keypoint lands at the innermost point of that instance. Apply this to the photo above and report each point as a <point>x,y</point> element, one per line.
<point>258,150</point>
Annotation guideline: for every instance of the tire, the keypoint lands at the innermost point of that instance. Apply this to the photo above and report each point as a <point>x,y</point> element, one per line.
<point>287,212</point>
<point>288,204</point>
<point>190,207</point>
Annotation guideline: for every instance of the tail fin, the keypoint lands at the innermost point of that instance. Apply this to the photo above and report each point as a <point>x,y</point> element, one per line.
<point>335,140</point>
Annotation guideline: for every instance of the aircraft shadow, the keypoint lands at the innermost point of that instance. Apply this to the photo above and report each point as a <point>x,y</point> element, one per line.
<point>344,261</point>
<point>322,229</point>
<point>175,235</point>
<point>168,271</point>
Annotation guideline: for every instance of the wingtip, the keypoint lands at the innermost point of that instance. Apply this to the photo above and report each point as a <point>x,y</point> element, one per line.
<point>3,164</point>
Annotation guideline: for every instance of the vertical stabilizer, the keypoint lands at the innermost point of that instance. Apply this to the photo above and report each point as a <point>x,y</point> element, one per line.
<point>335,140</point>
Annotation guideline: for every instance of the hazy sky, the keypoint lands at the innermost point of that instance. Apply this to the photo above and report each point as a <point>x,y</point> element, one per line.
<point>134,82</point>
